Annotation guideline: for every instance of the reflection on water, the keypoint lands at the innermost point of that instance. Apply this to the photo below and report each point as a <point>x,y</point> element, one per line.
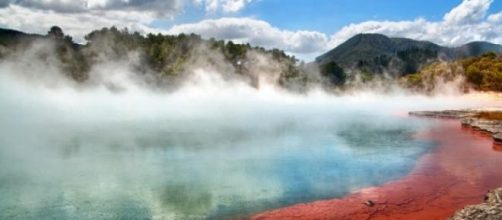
<point>196,168</point>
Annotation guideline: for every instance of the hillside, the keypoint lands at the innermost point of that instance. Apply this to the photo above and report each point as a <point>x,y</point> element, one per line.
<point>377,53</point>
<point>164,61</point>
<point>8,36</point>
<point>482,73</point>
<point>161,60</point>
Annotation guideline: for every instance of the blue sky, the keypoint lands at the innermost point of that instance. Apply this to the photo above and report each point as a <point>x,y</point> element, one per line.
<point>328,16</point>
<point>304,28</point>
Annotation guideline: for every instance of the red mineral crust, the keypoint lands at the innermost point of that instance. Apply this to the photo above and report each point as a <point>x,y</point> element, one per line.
<point>459,172</point>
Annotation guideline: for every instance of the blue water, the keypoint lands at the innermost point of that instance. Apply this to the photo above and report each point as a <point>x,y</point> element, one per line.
<point>94,154</point>
<point>196,168</point>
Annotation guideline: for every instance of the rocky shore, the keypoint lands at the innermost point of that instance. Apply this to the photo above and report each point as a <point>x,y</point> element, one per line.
<point>483,120</point>
<point>486,121</point>
<point>491,209</point>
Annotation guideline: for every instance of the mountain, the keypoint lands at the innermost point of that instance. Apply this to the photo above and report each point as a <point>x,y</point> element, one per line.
<point>377,53</point>
<point>8,36</point>
<point>476,48</point>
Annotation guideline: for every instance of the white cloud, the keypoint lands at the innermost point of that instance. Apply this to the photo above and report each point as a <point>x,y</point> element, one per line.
<point>468,12</point>
<point>165,8</point>
<point>74,24</point>
<point>234,5</point>
<point>495,18</point>
<point>464,23</point>
<point>256,32</point>
<point>79,17</point>
<point>469,21</point>
<point>227,6</point>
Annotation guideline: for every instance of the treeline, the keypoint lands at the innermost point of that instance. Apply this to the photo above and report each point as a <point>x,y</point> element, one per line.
<point>378,68</point>
<point>482,73</point>
<point>166,58</point>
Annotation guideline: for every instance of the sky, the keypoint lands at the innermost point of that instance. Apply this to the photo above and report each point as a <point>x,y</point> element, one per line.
<point>304,28</point>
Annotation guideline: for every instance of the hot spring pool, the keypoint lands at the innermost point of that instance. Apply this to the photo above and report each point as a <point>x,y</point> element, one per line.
<point>196,168</point>
<point>202,152</point>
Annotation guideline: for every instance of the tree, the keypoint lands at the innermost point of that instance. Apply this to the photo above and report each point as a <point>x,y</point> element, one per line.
<point>334,73</point>
<point>56,33</point>
<point>490,55</point>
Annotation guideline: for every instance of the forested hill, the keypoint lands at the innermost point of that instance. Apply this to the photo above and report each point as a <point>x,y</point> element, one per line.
<point>9,37</point>
<point>481,73</point>
<point>166,59</point>
<point>377,53</point>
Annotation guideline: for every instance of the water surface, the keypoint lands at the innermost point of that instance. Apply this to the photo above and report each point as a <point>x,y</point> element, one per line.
<point>58,163</point>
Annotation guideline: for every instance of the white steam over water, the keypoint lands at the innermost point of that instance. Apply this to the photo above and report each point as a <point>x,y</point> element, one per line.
<point>212,148</point>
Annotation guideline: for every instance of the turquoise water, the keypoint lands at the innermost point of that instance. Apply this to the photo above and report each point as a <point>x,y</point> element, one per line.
<point>196,168</point>
<point>70,154</point>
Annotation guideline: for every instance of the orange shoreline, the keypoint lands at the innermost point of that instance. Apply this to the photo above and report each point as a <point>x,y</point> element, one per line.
<point>463,167</point>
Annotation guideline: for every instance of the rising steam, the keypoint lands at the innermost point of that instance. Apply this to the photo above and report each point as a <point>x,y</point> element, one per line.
<point>117,144</point>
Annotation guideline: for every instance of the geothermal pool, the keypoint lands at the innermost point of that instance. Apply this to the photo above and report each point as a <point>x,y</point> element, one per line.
<point>197,153</point>
<point>197,168</point>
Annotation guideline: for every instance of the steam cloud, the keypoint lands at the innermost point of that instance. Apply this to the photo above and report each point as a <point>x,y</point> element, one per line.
<point>114,145</point>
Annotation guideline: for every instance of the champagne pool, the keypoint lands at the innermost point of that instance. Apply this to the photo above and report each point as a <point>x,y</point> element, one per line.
<point>197,168</point>
<point>83,155</point>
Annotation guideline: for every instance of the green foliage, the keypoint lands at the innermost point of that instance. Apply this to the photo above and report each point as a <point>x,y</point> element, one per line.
<point>481,73</point>
<point>367,76</point>
<point>56,33</point>
<point>413,58</point>
<point>484,72</point>
<point>474,76</point>
<point>334,73</point>
<point>235,52</point>
<point>168,54</point>
<point>167,57</point>
<point>73,63</point>
<point>414,80</point>
<point>489,55</point>
<point>433,75</point>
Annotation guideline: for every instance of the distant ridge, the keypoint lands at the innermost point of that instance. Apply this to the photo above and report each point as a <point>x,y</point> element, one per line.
<point>8,36</point>
<point>377,53</point>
